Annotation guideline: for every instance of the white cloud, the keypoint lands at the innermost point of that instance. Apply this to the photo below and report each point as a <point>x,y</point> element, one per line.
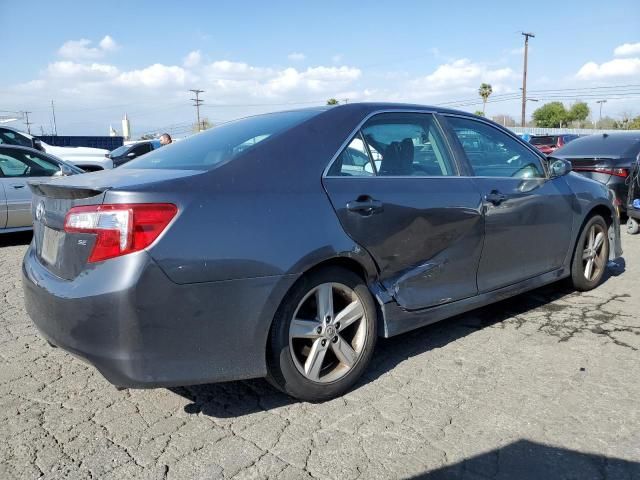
<point>618,67</point>
<point>192,59</point>
<point>82,49</point>
<point>296,56</point>
<point>156,75</point>
<point>78,71</point>
<point>463,72</point>
<point>627,50</point>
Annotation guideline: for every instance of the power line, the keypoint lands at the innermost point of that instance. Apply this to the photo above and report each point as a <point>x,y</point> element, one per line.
<point>524,76</point>
<point>55,127</point>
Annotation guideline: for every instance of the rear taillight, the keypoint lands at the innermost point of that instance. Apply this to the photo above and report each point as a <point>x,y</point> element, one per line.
<point>120,228</point>
<point>618,172</point>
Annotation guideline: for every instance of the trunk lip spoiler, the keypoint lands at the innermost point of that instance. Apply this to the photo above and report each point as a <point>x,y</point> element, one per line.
<point>50,190</point>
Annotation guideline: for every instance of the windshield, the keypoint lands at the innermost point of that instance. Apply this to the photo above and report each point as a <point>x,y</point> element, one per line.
<point>120,150</point>
<point>546,140</point>
<point>599,145</point>
<point>221,144</point>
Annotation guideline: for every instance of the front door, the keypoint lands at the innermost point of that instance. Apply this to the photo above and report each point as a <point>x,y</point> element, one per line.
<point>3,205</point>
<point>527,215</point>
<point>18,166</point>
<point>397,193</point>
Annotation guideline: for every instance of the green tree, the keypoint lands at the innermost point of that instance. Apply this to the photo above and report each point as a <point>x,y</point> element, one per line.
<point>332,101</point>
<point>484,91</point>
<point>147,136</point>
<point>551,115</point>
<point>578,112</point>
<point>480,113</point>
<point>634,124</point>
<point>205,124</point>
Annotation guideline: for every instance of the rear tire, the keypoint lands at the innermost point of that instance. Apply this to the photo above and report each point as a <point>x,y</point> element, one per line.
<point>591,255</point>
<point>633,227</point>
<point>323,335</point>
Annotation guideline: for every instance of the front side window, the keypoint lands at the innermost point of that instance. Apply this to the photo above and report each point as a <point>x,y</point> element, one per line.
<point>396,145</point>
<point>22,164</point>
<point>493,153</point>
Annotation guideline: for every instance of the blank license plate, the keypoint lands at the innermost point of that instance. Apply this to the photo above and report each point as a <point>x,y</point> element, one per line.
<point>50,242</point>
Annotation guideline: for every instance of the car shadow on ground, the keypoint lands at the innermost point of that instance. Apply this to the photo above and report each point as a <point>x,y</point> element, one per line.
<point>232,399</point>
<point>526,460</point>
<point>14,239</point>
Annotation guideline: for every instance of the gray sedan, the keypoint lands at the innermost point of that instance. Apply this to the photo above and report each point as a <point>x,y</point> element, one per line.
<point>283,245</point>
<point>17,166</point>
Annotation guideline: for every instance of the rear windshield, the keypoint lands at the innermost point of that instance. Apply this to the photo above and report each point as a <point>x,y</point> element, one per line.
<point>614,145</point>
<point>547,140</point>
<point>220,144</point>
<point>120,150</point>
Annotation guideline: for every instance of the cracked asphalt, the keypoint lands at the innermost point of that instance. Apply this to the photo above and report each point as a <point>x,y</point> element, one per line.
<point>545,385</point>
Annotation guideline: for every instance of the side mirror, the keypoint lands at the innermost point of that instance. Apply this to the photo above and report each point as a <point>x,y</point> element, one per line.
<point>131,155</point>
<point>559,167</point>
<point>37,144</point>
<point>65,171</point>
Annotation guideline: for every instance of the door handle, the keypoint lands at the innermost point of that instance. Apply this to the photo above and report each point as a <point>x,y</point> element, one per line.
<point>18,185</point>
<point>365,205</point>
<point>495,197</point>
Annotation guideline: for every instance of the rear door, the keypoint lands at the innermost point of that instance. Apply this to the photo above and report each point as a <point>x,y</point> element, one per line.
<point>528,217</point>
<point>18,167</point>
<point>397,193</point>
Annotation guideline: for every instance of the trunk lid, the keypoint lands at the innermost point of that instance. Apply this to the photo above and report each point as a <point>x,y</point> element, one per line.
<point>589,167</point>
<point>66,254</point>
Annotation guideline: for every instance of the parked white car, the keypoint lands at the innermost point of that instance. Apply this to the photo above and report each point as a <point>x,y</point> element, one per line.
<point>88,159</point>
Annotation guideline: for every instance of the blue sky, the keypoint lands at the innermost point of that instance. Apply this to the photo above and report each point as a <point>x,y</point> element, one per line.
<point>99,60</point>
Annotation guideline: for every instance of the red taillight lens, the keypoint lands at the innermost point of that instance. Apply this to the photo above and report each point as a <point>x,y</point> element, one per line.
<point>618,172</point>
<point>120,228</point>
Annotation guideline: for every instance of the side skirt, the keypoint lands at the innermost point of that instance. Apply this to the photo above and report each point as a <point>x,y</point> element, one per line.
<point>396,320</point>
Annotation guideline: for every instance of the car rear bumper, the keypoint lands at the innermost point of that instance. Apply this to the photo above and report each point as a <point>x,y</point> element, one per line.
<point>141,330</point>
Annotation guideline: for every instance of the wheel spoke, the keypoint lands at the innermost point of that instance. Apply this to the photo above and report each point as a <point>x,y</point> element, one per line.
<point>588,269</point>
<point>313,364</point>
<point>592,237</point>
<point>599,241</point>
<point>349,314</point>
<point>586,254</point>
<point>344,352</point>
<point>304,328</point>
<point>599,261</point>
<point>324,298</point>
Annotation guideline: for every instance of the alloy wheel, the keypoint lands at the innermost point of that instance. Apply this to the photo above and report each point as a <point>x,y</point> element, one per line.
<point>593,255</point>
<point>328,332</point>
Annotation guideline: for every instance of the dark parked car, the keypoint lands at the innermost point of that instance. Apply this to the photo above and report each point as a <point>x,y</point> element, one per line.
<point>18,165</point>
<point>548,144</point>
<point>283,245</point>
<point>607,158</point>
<point>125,153</point>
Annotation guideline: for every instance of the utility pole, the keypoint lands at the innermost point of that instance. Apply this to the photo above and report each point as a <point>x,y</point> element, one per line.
<point>524,77</point>
<point>26,116</point>
<point>600,119</point>
<point>196,103</point>
<point>55,127</point>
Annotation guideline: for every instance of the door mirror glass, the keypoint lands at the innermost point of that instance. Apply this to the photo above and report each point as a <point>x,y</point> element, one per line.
<point>131,155</point>
<point>559,167</point>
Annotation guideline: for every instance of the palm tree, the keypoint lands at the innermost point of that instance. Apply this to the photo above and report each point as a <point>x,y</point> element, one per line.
<point>332,101</point>
<point>484,91</point>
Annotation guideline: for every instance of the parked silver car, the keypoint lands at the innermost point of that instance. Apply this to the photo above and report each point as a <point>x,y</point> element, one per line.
<point>18,165</point>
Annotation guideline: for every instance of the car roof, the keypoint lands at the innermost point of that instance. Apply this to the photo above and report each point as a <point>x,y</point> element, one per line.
<point>618,144</point>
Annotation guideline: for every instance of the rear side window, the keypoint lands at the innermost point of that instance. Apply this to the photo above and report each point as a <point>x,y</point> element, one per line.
<point>12,138</point>
<point>220,144</point>
<point>396,145</point>
<point>493,153</point>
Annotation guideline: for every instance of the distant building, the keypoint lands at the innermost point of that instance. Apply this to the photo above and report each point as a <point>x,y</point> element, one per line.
<point>126,128</point>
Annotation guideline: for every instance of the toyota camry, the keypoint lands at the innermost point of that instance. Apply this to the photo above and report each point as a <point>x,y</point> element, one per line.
<point>282,245</point>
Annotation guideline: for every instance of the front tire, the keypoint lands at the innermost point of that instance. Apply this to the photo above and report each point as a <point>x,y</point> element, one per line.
<point>591,255</point>
<point>323,335</point>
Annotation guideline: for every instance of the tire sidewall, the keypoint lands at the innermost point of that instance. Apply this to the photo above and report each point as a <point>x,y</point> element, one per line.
<point>282,370</point>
